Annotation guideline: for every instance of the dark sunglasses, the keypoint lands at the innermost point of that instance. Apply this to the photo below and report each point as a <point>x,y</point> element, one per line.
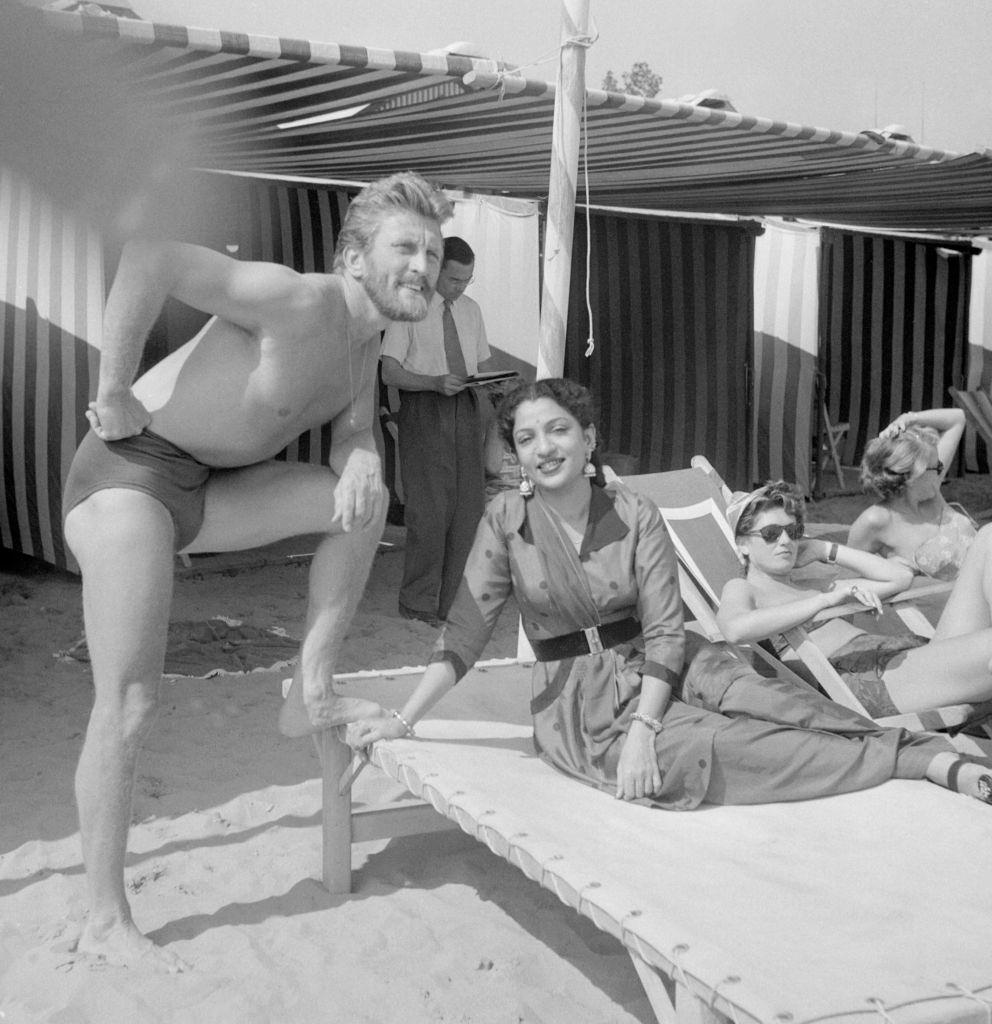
<point>771,533</point>
<point>906,477</point>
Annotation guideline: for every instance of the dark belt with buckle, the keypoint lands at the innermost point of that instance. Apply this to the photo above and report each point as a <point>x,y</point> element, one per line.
<point>593,640</point>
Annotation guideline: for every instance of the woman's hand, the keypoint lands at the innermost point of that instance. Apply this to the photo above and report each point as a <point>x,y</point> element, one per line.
<point>638,774</point>
<point>811,549</point>
<point>367,730</point>
<point>898,425</point>
<point>843,593</point>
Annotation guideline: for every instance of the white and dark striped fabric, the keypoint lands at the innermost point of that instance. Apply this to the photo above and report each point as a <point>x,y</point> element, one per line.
<point>249,102</point>
<point>977,457</point>
<point>51,296</point>
<point>786,346</point>
<point>672,325</point>
<point>894,320</point>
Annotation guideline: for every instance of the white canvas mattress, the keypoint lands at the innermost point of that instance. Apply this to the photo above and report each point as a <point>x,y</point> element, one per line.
<point>871,906</point>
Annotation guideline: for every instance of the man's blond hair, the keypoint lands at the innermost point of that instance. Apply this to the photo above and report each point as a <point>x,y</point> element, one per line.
<point>405,192</point>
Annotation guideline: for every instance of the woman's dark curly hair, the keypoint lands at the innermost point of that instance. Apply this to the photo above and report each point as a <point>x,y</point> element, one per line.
<point>573,398</point>
<point>778,494</point>
<point>890,462</point>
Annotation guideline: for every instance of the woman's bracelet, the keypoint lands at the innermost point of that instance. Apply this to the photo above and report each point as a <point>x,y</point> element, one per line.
<point>652,723</point>
<point>406,725</point>
<point>832,552</point>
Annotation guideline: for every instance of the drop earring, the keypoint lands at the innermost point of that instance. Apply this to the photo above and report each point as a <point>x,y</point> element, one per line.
<point>526,488</point>
<point>589,469</point>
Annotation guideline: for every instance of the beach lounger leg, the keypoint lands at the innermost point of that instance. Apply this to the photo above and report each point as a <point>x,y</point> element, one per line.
<point>336,871</point>
<point>671,1001</point>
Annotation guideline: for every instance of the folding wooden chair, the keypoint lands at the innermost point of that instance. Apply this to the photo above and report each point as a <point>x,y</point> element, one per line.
<point>693,504</point>
<point>831,435</point>
<point>977,407</point>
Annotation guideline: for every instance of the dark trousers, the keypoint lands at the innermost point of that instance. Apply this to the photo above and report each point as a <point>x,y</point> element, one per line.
<point>441,465</point>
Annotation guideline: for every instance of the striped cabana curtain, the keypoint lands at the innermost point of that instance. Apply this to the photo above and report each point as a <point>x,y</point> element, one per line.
<point>51,293</point>
<point>786,305</point>
<point>672,321</point>
<point>893,328</point>
<point>979,364</point>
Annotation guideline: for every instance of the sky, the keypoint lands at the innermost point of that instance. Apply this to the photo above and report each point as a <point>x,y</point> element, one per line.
<point>842,64</point>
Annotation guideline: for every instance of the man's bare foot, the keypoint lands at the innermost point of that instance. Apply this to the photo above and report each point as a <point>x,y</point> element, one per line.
<point>296,719</point>
<point>122,945</point>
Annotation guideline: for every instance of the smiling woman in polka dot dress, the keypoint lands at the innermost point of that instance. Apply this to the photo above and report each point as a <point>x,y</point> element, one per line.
<point>624,699</point>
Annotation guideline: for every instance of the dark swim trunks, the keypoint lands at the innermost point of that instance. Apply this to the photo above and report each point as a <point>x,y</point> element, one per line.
<point>145,463</point>
<point>862,661</point>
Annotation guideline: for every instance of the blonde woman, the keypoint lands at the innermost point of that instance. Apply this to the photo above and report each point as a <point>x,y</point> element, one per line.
<point>904,467</point>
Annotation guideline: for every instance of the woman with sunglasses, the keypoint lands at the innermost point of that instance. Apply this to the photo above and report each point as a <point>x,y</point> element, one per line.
<point>888,674</point>
<point>904,467</point>
<point>623,698</point>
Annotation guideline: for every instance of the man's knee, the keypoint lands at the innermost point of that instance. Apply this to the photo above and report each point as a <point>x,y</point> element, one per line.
<point>117,517</point>
<point>128,707</point>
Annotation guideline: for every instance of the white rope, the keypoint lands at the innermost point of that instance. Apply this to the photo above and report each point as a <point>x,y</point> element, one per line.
<point>984,1003</point>
<point>581,41</point>
<point>731,979</point>
<point>879,1006</point>
<point>678,973</point>
<point>590,341</point>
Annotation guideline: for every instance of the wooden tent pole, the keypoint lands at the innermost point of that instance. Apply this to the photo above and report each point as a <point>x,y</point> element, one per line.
<point>560,223</point>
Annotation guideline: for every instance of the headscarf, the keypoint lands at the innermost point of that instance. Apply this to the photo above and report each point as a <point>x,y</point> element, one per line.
<point>740,501</point>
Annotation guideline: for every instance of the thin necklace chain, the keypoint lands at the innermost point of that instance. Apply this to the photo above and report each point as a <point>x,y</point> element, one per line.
<point>352,416</point>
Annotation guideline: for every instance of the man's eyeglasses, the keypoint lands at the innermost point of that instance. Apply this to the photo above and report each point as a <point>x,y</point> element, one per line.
<point>771,533</point>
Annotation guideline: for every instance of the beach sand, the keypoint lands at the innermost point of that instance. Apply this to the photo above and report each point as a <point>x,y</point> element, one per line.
<point>224,854</point>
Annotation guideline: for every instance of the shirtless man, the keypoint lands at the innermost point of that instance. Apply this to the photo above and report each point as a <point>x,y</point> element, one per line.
<point>190,467</point>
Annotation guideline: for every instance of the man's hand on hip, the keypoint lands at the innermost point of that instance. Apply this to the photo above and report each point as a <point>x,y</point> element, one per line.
<point>118,417</point>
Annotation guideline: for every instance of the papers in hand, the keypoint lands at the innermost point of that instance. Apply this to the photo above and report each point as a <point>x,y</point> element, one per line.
<point>491,377</point>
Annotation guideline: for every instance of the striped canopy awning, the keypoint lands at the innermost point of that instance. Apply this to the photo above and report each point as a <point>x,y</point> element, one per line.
<point>473,124</point>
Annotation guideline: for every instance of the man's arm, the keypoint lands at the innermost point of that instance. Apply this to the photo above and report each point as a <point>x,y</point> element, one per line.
<point>355,460</point>
<point>249,294</point>
<point>395,376</point>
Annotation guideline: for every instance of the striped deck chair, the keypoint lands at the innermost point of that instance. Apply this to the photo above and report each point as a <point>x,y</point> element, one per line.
<point>693,504</point>
<point>977,408</point>
<point>872,906</point>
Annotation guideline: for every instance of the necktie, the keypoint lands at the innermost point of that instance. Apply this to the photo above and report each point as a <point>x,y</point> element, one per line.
<point>452,347</point>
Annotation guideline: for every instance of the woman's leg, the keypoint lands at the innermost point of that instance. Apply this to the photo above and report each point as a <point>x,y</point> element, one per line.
<point>754,762</point>
<point>969,605</point>
<point>954,670</point>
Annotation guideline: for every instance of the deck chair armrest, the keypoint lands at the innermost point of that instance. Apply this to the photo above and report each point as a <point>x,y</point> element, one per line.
<point>931,588</point>
<point>897,601</point>
<point>840,611</point>
<point>826,675</point>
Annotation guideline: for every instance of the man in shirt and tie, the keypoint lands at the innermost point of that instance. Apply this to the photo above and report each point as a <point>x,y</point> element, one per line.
<point>440,435</point>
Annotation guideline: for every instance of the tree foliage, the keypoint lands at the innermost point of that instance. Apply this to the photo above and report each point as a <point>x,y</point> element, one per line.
<point>640,80</point>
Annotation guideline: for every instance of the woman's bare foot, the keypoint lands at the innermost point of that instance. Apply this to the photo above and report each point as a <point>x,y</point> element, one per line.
<point>122,945</point>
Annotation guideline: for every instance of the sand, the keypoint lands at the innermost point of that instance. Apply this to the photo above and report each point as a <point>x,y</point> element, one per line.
<point>224,853</point>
